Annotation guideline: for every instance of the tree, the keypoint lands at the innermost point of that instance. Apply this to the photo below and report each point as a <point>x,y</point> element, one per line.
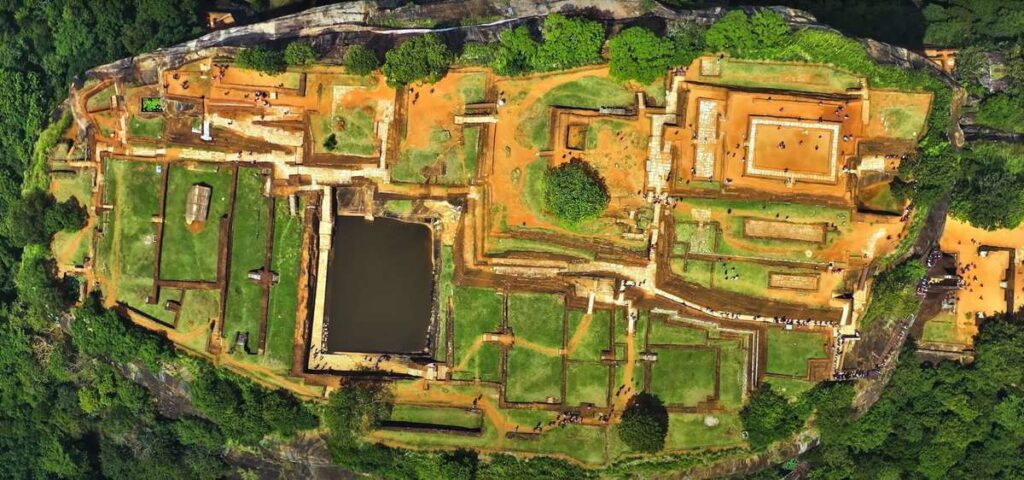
<point>687,43</point>
<point>516,51</point>
<point>331,142</point>
<point>68,216</point>
<point>43,295</point>
<point>568,43</point>
<point>103,333</point>
<point>638,54</point>
<point>360,60</point>
<point>732,34</point>
<point>261,59</point>
<point>420,59</point>
<point>644,423</point>
<point>22,223</point>
<point>574,191</point>
<point>770,29</point>
<point>988,194</point>
<point>299,54</point>
<point>356,409</point>
<point>769,417</point>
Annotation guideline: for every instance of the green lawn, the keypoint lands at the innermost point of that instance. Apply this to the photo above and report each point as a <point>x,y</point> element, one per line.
<point>731,373</point>
<point>582,442</point>
<point>158,311</point>
<point>537,317</point>
<point>790,387</point>
<point>284,295</point>
<point>587,92</point>
<point>533,376</point>
<point>78,186</point>
<point>445,289</point>
<point>596,127</point>
<point>127,249</point>
<point>797,212</point>
<point>797,77</point>
<point>941,329</point>
<point>683,376</point>
<point>789,351</point>
<point>664,333</point>
<point>476,311</point>
<point>353,131</point>
<point>687,431</point>
<point>694,271</point>
<point>905,122</point>
<point>595,339</point>
<point>100,100</point>
<point>498,245</point>
<point>471,87</point>
<point>445,159</point>
<point>63,240</point>
<point>399,207</point>
<point>449,417</point>
<point>198,310</point>
<point>151,128</point>
<point>586,382</point>
<point>186,255</point>
<point>248,245</point>
<point>470,150</point>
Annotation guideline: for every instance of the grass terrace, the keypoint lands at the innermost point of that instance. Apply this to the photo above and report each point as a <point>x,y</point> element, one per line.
<point>248,245</point>
<point>589,92</point>
<point>127,247</point>
<point>789,351</point>
<point>476,311</point>
<point>189,252</point>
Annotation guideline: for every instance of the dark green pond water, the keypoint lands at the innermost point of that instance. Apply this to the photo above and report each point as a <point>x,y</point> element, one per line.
<point>379,286</point>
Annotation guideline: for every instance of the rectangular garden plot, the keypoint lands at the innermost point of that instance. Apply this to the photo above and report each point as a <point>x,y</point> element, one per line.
<point>533,376</point>
<point>189,245</point>
<point>685,376</point>
<point>588,337</point>
<point>789,351</point>
<point>248,249</point>
<point>475,312</point>
<point>586,383</point>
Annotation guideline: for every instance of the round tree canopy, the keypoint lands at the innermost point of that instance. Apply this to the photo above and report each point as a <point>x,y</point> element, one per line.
<point>644,423</point>
<point>574,191</point>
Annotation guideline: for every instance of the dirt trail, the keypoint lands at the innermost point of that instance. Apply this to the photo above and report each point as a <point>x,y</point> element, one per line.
<point>577,336</point>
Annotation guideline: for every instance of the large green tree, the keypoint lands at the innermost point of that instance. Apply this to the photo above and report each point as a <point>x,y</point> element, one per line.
<point>424,58</point>
<point>568,43</point>
<point>769,417</point>
<point>261,59</point>
<point>360,60</point>
<point>644,424</point>
<point>574,191</point>
<point>638,54</point>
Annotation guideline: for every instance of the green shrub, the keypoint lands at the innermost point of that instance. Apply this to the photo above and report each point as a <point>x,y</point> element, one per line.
<point>574,191</point>
<point>262,60</point>
<point>478,54</point>
<point>299,54</point>
<point>894,293</point>
<point>638,54</point>
<point>360,60</point>
<point>420,59</point>
<point>769,417</point>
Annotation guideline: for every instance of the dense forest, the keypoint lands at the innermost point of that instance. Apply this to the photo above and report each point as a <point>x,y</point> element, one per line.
<point>69,407</point>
